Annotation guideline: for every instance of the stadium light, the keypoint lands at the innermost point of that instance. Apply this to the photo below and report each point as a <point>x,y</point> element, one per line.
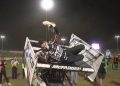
<point>63,40</point>
<point>2,38</point>
<point>96,46</point>
<point>47,4</point>
<point>117,37</point>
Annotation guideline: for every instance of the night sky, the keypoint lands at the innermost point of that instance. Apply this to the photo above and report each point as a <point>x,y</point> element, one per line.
<point>91,20</point>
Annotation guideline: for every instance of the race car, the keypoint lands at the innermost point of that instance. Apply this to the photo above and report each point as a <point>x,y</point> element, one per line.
<point>52,73</point>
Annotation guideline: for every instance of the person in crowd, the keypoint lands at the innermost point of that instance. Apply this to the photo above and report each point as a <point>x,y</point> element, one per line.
<point>115,62</point>
<point>23,66</point>
<point>74,77</point>
<point>108,56</point>
<point>14,64</point>
<point>102,72</point>
<point>3,72</point>
<point>23,73</point>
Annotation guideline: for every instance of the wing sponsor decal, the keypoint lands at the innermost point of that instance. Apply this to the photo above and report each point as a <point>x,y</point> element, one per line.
<point>30,59</point>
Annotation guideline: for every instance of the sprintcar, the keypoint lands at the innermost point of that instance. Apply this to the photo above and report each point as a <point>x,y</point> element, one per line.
<point>53,73</point>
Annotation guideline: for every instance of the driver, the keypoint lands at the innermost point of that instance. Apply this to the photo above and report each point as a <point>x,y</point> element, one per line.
<point>59,53</point>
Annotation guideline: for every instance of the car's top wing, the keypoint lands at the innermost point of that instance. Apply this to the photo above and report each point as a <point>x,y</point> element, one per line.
<point>92,57</point>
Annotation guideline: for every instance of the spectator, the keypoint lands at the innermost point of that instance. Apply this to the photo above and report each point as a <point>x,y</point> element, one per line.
<point>23,73</point>
<point>14,64</point>
<point>74,78</point>
<point>102,72</point>
<point>23,66</point>
<point>115,62</point>
<point>108,56</point>
<point>3,72</point>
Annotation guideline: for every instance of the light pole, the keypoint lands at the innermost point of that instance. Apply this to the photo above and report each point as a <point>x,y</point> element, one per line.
<point>2,38</point>
<point>63,40</point>
<point>117,37</point>
<point>47,5</point>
